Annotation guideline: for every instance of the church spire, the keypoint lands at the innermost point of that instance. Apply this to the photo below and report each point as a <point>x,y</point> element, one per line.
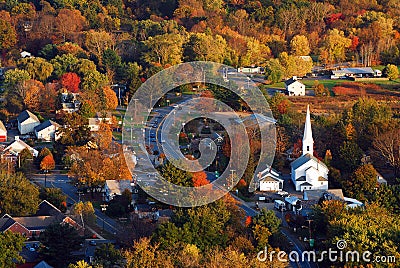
<point>308,142</point>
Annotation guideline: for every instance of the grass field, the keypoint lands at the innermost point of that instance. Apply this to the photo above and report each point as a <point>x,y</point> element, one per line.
<point>330,83</point>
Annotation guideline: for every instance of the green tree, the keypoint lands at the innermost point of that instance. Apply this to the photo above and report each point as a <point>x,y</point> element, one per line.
<point>350,156</point>
<point>391,71</point>
<point>38,68</point>
<point>59,241</point>
<point>15,77</point>
<point>362,183</point>
<point>299,45</point>
<point>10,246</point>
<point>107,256</point>
<point>274,71</point>
<point>175,175</point>
<point>25,160</point>
<point>55,196</point>
<point>264,225</point>
<point>11,200</point>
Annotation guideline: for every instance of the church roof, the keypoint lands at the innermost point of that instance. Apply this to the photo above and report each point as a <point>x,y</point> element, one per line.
<point>269,178</point>
<point>302,178</point>
<point>307,126</point>
<point>304,159</point>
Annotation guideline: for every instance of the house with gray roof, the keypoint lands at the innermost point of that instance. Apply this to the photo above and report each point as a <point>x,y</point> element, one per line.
<point>293,87</point>
<point>47,130</point>
<point>113,188</point>
<point>27,121</point>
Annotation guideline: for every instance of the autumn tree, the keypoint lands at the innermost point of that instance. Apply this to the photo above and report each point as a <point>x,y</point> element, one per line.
<point>12,201</point>
<point>47,163</point>
<point>77,132</point>
<point>80,264</point>
<point>69,21</point>
<point>391,71</point>
<point>111,98</point>
<point>29,92</point>
<point>334,46</point>
<point>201,46</point>
<point>199,179</point>
<point>8,36</point>
<point>164,49</point>
<point>362,182</point>
<point>299,45</point>
<point>104,136</point>
<point>71,82</point>
<point>86,211</point>
<point>43,153</point>
<point>98,42</point>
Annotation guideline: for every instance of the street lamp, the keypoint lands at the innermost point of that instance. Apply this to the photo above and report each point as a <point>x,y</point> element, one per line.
<point>104,209</point>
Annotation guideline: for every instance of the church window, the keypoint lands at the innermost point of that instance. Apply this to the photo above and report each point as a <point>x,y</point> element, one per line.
<point>308,148</point>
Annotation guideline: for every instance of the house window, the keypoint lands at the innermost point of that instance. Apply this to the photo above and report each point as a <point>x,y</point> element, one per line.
<point>322,183</point>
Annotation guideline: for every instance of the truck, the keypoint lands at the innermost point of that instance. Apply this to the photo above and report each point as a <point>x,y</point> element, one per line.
<point>279,205</point>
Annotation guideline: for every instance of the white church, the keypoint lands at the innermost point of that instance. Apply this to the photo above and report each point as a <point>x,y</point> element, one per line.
<point>308,172</point>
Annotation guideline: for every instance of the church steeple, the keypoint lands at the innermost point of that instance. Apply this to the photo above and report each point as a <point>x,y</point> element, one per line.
<point>308,141</point>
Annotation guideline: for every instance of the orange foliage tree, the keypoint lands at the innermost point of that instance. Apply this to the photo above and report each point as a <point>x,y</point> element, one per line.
<point>48,163</point>
<point>111,98</point>
<point>199,179</point>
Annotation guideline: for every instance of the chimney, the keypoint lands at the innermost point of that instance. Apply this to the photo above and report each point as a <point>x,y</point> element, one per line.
<point>16,138</point>
<point>294,77</point>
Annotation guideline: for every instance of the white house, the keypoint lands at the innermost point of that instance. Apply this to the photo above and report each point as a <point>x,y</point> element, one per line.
<point>47,130</point>
<point>94,123</point>
<point>294,88</point>
<point>27,121</point>
<point>269,180</point>
<point>3,132</point>
<point>308,172</point>
<point>18,145</point>
<point>115,187</point>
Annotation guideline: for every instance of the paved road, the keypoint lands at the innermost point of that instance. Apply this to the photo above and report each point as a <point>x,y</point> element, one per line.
<point>297,246</point>
<point>62,181</point>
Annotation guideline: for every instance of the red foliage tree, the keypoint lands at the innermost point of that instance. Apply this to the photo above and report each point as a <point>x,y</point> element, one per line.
<point>71,82</point>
